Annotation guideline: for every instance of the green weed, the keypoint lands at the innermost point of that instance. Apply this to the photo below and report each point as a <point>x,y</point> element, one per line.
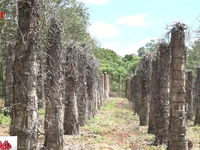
<point>42,112</point>
<point>97,130</point>
<point>115,119</point>
<point>80,137</point>
<point>109,105</point>
<point>105,123</point>
<point>86,127</point>
<point>4,120</point>
<point>196,128</point>
<point>151,137</point>
<point>164,147</point>
<point>95,119</point>
<point>98,140</point>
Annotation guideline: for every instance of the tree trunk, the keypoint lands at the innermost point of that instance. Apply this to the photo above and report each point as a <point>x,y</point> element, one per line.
<point>197,113</point>
<point>25,114</point>
<point>9,77</point>
<point>177,128</point>
<point>54,105</point>
<point>189,95</point>
<point>162,116</point>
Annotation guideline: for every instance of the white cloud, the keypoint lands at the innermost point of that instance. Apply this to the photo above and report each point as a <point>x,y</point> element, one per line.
<point>95,2</point>
<point>131,50</point>
<point>147,40</point>
<point>135,20</point>
<point>121,52</point>
<point>112,46</point>
<point>103,30</point>
<point>192,40</point>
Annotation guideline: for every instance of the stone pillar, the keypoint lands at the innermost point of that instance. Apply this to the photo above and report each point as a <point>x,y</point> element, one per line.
<point>103,92</point>
<point>197,113</point>
<point>132,82</point>
<point>162,116</point>
<point>106,85</point>
<point>189,95</point>
<point>128,88</point>
<point>9,77</point>
<point>144,105</point>
<point>177,128</point>
<point>154,97</point>
<point>137,91</point>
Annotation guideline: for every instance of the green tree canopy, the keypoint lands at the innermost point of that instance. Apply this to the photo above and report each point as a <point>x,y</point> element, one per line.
<point>193,57</point>
<point>150,47</point>
<point>118,68</point>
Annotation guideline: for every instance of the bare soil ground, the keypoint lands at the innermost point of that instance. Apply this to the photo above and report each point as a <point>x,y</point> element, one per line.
<point>115,127</point>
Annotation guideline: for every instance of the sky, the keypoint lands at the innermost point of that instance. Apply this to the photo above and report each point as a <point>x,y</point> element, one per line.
<point>126,25</point>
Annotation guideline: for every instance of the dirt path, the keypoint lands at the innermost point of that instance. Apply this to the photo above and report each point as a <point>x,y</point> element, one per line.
<point>115,127</point>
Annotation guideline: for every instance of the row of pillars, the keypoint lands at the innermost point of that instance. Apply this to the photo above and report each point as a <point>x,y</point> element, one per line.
<point>162,92</point>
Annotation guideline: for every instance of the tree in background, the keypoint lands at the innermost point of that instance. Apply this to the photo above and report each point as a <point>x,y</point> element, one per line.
<point>193,57</point>
<point>118,68</point>
<point>131,63</point>
<point>150,47</point>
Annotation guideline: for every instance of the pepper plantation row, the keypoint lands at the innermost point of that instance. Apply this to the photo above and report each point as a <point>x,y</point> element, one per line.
<point>163,93</point>
<point>46,71</point>
<point>70,87</point>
